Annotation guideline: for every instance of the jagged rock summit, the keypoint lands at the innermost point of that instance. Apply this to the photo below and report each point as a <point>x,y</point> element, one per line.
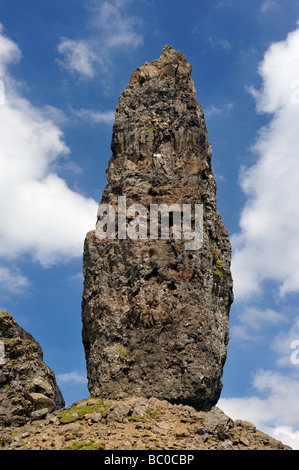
<point>155,309</point>
<point>28,388</point>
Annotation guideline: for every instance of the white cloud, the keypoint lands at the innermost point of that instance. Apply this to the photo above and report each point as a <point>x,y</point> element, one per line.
<point>223,44</point>
<point>112,27</point>
<point>223,4</point>
<point>118,27</point>
<point>286,434</point>
<point>12,282</point>
<point>252,323</point>
<point>78,277</point>
<point>46,219</point>
<point>55,115</point>
<point>266,248</point>
<point>268,5</point>
<point>41,216</point>
<point>106,117</point>
<point>285,344</point>
<point>9,51</point>
<point>273,410</point>
<point>73,377</point>
<point>213,110</point>
<point>78,57</point>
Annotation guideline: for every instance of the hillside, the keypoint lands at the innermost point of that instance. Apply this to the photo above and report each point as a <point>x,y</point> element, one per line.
<point>133,424</point>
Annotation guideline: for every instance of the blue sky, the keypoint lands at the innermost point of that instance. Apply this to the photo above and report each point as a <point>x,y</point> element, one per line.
<point>64,64</point>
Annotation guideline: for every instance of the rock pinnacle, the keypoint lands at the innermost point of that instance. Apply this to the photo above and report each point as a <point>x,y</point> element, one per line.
<point>155,312</point>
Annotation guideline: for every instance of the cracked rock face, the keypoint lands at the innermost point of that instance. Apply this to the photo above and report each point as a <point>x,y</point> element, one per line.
<point>155,314</point>
<point>28,387</point>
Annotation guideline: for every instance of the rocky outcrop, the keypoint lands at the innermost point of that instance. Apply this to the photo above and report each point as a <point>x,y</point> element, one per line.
<point>155,310</point>
<point>28,388</point>
<point>134,424</point>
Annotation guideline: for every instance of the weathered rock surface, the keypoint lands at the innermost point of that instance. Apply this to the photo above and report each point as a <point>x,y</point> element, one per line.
<point>28,388</point>
<point>136,423</point>
<point>155,315</point>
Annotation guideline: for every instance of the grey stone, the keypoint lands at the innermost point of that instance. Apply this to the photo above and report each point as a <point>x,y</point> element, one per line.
<point>41,401</point>
<point>244,441</point>
<point>218,423</point>
<point>227,445</point>
<point>40,414</point>
<point>118,412</point>
<point>138,411</point>
<point>103,432</point>
<point>201,431</point>
<point>95,417</point>
<point>70,427</point>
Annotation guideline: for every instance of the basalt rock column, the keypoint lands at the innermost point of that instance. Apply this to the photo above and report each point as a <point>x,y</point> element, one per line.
<point>155,314</point>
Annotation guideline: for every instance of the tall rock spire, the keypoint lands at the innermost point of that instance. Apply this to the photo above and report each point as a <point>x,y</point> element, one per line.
<point>156,305</point>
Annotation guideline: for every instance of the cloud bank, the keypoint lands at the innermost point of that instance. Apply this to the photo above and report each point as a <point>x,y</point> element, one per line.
<point>41,216</point>
<point>266,248</point>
